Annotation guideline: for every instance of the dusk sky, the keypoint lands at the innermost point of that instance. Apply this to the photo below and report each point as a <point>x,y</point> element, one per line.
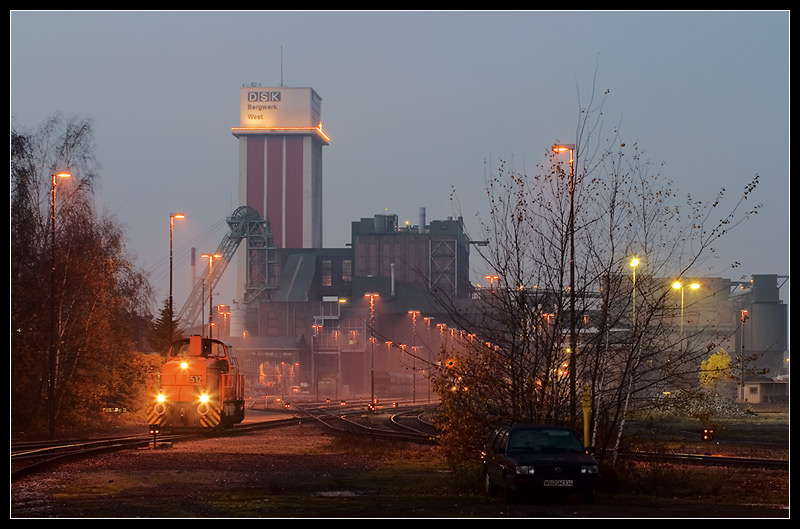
<point>416,104</point>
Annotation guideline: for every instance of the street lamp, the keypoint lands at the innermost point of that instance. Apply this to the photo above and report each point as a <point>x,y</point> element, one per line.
<point>51,386</point>
<point>677,285</point>
<point>224,329</point>
<point>633,264</point>
<point>372,297</point>
<point>414,314</point>
<point>314,373</point>
<point>172,217</point>
<point>559,148</point>
<point>744,316</point>
<point>210,258</point>
<point>429,361</point>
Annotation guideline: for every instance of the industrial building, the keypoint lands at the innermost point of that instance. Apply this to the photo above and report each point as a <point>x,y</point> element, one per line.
<point>762,340</point>
<point>313,330</point>
<point>367,319</point>
<point>302,320</point>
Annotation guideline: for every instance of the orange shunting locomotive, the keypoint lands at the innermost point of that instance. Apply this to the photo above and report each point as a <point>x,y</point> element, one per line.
<point>199,386</point>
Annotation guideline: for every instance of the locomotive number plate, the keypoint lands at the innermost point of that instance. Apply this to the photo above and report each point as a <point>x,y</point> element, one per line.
<point>196,379</point>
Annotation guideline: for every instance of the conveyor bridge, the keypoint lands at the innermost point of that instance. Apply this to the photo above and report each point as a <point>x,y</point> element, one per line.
<point>262,262</point>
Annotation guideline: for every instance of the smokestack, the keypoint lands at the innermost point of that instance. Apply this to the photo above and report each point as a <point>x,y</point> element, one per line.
<point>422,220</point>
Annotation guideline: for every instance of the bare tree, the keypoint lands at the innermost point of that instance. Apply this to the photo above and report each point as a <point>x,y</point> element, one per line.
<point>96,289</point>
<point>517,359</point>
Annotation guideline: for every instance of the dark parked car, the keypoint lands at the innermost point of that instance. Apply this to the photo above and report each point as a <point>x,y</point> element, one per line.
<point>538,458</point>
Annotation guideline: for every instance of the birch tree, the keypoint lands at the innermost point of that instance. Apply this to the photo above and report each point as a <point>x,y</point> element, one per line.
<point>517,362</point>
<point>97,292</point>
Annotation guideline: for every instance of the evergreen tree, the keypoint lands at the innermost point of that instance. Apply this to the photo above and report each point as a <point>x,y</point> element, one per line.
<point>160,330</point>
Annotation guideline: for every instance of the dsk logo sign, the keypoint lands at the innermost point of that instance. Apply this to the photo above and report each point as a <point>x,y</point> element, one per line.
<point>263,96</point>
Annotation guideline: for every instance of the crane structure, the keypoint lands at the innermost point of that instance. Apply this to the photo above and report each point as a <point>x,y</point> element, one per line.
<point>261,268</point>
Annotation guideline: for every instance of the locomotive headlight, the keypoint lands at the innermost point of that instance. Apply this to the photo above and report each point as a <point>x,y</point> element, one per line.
<point>203,407</point>
<point>160,408</point>
<point>184,364</point>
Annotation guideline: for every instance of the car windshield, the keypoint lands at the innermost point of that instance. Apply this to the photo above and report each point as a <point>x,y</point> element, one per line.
<point>544,440</point>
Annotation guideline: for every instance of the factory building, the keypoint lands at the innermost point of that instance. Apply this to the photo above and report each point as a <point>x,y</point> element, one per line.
<point>369,318</point>
<point>762,340</point>
<point>433,257</point>
<point>301,322</point>
<point>311,332</point>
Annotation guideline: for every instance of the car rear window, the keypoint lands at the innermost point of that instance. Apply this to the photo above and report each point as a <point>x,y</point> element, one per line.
<point>543,439</point>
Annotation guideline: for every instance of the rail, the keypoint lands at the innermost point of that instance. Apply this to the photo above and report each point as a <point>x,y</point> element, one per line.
<point>344,419</point>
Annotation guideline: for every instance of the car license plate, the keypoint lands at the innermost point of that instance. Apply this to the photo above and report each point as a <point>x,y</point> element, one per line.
<point>558,483</point>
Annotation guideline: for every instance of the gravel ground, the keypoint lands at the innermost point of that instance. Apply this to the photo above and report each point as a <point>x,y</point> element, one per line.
<point>191,478</point>
<point>300,472</point>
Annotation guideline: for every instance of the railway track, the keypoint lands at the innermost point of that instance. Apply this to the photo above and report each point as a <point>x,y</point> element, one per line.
<point>361,420</point>
<point>369,422</point>
<point>31,457</point>
<point>27,458</point>
<point>709,460</point>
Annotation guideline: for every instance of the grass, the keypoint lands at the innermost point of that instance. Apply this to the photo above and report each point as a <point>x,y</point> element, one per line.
<point>764,434</point>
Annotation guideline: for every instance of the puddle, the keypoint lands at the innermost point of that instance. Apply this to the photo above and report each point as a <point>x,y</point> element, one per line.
<point>338,493</point>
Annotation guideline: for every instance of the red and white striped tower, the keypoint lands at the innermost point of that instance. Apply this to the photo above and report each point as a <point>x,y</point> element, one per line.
<point>280,161</point>
<point>280,166</point>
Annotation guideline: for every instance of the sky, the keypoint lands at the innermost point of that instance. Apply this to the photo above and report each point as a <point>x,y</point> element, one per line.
<point>418,105</point>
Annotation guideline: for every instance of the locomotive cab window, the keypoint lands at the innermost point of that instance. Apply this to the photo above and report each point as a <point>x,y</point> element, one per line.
<point>198,346</point>
<point>180,349</point>
<point>215,350</point>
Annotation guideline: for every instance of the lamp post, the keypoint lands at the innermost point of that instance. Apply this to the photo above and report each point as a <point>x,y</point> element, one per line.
<point>677,285</point>
<point>210,258</point>
<point>633,264</point>
<point>222,310</point>
<point>559,148</point>
<point>744,315</point>
<point>314,374</point>
<point>429,361</point>
<point>51,384</point>
<point>414,314</point>
<point>372,297</point>
<point>172,217</point>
